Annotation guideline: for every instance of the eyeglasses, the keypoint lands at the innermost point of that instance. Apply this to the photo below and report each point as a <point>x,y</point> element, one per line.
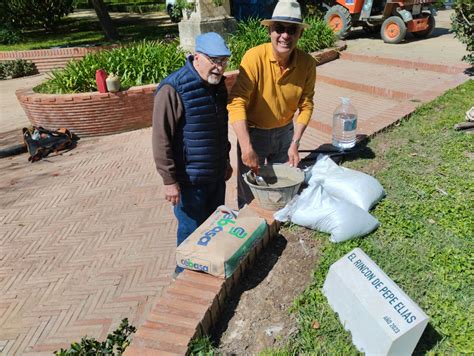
<point>217,61</point>
<point>279,28</point>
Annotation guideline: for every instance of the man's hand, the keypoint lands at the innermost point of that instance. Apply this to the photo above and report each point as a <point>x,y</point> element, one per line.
<point>172,193</point>
<point>228,172</point>
<point>250,159</point>
<point>293,155</point>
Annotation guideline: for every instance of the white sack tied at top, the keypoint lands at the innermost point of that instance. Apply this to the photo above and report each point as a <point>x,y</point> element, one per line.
<point>336,201</point>
<point>353,186</point>
<point>318,210</point>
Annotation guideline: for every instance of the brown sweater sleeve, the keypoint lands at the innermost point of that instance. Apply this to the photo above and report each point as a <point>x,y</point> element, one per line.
<point>167,112</point>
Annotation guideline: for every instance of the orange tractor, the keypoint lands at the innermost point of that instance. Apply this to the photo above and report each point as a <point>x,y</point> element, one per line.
<point>393,18</point>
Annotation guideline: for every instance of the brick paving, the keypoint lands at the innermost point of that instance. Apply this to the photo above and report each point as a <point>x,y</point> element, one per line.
<point>87,239</point>
<point>12,117</point>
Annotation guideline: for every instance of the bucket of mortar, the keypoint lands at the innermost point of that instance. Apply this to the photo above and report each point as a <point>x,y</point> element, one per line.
<point>283,184</point>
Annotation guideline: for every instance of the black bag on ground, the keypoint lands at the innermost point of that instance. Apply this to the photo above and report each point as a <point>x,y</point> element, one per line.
<point>41,142</point>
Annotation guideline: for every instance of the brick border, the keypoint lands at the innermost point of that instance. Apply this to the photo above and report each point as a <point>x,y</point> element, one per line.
<point>393,62</point>
<point>403,63</point>
<point>47,59</point>
<point>95,114</point>
<point>191,305</point>
<point>367,88</point>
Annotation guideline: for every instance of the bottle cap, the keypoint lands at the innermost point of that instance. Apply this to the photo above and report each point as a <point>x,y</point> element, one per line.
<point>345,100</point>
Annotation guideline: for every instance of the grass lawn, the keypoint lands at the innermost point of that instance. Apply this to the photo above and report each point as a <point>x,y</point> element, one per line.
<point>87,31</point>
<point>425,242</point>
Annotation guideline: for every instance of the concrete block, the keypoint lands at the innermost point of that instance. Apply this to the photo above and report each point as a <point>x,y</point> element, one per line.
<point>205,17</point>
<point>189,29</point>
<point>383,320</point>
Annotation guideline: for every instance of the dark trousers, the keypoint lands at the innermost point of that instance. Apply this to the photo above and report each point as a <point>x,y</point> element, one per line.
<point>196,204</point>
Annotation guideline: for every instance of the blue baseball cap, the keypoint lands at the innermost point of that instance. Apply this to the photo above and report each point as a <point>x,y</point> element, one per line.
<point>212,44</point>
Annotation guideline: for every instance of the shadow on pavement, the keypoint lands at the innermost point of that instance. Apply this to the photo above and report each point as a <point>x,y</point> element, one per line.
<point>359,151</point>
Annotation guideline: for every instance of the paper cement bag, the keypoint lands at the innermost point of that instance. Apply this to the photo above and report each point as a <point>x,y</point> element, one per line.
<point>221,242</point>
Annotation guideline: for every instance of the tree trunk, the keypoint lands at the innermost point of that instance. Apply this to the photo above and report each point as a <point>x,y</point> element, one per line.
<point>105,20</point>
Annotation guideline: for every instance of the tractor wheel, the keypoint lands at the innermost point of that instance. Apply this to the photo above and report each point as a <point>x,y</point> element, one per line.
<point>339,19</point>
<point>429,30</point>
<point>393,30</point>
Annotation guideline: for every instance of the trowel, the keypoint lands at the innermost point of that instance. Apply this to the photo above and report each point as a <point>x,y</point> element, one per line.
<point>253,178</point>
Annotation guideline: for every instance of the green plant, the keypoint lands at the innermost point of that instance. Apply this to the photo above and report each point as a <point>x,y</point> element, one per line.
<point>3,71</point>
<point>138,64</point>
<point>317,36</point>
<point>249,33</point>
<point>21,68</point>
<point>17,68</point>
<point>115,344</point>
<point>201,346</point>
<point>179,7</point>
<point>463,26</point>
<point>27,13</point>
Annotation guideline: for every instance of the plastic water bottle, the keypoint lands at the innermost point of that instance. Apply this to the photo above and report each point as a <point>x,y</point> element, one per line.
<point>344,125</point>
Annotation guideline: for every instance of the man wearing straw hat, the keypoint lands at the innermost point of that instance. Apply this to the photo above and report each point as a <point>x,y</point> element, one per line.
<point>275,80</point>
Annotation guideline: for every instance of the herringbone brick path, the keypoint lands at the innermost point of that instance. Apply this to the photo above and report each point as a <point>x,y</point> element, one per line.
<point>86,239</point>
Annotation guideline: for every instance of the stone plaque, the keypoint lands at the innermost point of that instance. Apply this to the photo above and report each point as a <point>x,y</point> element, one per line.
<point>383,320</point>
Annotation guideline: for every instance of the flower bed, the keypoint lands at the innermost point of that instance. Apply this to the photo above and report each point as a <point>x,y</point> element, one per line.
<point>95,114</point>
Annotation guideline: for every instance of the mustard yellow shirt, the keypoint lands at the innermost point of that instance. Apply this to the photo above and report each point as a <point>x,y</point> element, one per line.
<point>268,98</point>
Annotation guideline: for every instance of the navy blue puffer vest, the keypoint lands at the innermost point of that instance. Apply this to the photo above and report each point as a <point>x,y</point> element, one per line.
<point>200,145</point>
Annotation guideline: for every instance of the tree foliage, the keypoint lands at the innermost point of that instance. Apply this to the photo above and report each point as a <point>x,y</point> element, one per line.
<point>463,26</point>
<point>23,14</point>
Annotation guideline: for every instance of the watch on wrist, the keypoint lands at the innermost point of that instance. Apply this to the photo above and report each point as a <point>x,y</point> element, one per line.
<point>296,142</point>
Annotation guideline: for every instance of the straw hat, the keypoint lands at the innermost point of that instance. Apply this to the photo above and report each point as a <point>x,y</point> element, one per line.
<point>287,11</point>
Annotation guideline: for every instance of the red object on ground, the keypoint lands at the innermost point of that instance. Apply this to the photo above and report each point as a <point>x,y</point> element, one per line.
<point>100,76</point>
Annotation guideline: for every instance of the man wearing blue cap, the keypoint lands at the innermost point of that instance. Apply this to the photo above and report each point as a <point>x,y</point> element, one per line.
<point>190,143</point>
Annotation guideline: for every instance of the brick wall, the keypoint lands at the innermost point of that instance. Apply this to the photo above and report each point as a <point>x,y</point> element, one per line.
<point>47,59</point>
<point>94,114</point>
<point>90,114</point>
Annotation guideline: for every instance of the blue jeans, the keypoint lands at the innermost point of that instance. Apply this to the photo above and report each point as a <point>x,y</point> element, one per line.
<point>196,204</point>
<point>271,146</point>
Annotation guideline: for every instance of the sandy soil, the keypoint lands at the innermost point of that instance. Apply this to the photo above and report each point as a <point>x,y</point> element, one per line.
<point>257,317</point>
